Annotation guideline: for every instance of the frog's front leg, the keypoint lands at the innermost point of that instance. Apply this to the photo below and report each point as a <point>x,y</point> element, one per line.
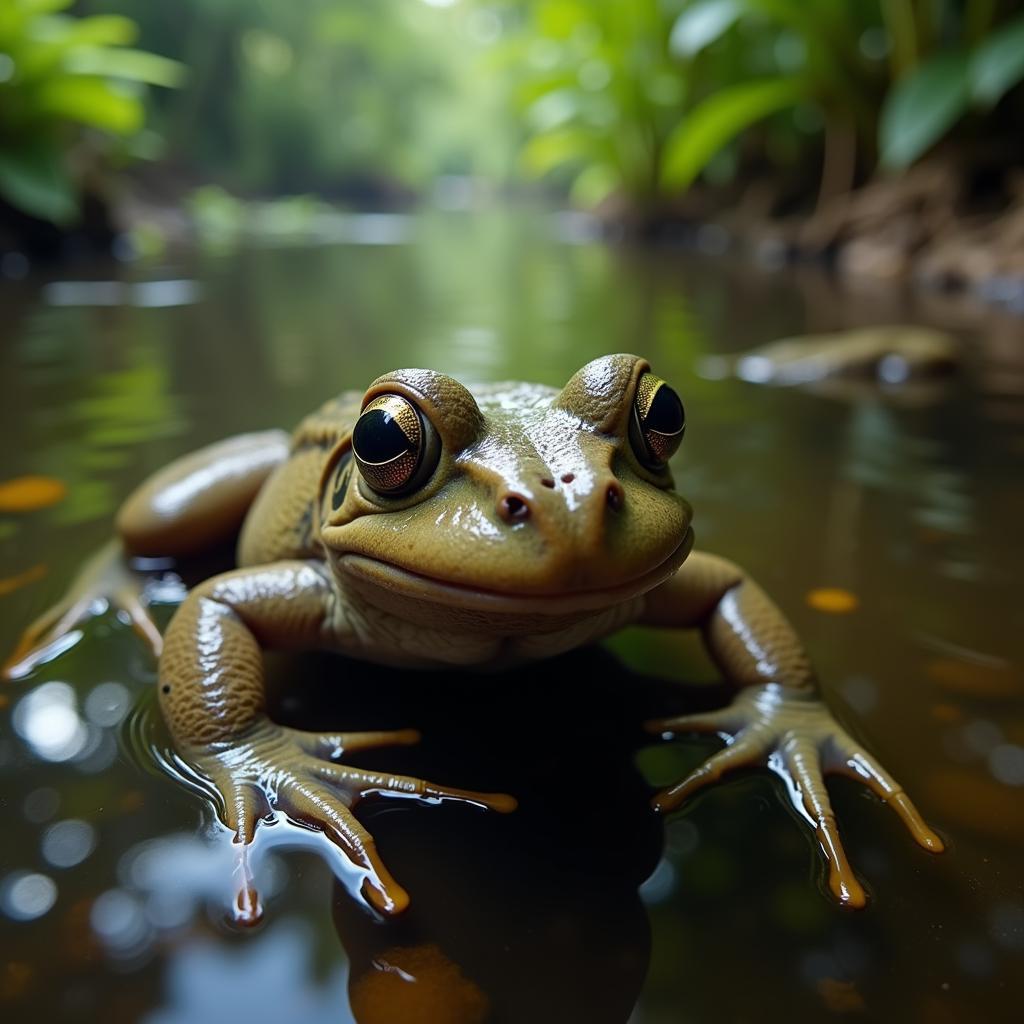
<point>212,696</point>
<point>778,718</point>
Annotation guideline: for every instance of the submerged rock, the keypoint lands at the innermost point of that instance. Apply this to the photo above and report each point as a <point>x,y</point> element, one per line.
<point>890,355</point>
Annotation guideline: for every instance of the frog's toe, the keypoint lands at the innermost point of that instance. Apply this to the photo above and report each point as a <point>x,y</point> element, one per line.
<point>798,764</point>
<point>51,634</point>
<point>128,602</point>
<point>334,745</point>
<point>362,784</point>
<point>316,804</point>
<point>245,804</point>
<point>846,757</point>
<point>750,747</point>
<point>322,795</point>
<point>726,721</point>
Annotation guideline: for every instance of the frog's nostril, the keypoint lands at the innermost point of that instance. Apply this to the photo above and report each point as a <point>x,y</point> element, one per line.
<point>513,508</point>
<point>615,497</point>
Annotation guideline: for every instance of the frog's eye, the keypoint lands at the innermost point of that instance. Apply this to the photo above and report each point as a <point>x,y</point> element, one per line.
<point>394,445</point>
<point>658,422</point>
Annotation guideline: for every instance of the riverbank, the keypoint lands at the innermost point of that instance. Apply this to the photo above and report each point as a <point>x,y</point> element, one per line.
<point>942,227</point>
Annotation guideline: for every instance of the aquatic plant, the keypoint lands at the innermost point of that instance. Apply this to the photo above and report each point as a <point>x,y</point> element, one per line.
<point>642,99</point>
<point>373,100</point>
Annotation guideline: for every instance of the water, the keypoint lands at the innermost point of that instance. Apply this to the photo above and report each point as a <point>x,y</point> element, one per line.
<point>582,905</point>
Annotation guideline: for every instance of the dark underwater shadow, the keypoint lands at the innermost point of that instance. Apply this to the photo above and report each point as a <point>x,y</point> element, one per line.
<point>532,916</point>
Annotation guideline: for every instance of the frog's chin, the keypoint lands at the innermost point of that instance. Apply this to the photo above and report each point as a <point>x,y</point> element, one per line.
<point>434,602</point>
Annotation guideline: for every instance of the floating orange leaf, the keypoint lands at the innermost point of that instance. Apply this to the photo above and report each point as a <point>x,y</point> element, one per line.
<point>833,600</point>
<point>27,493</point>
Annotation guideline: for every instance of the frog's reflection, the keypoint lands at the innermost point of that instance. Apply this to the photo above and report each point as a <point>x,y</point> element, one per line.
<point>532,916</point>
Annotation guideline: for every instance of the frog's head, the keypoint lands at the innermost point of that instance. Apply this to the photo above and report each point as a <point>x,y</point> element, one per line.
<point>512,508</point>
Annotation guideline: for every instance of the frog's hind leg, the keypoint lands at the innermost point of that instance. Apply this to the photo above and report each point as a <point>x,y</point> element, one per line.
<point>200,499</point>
<point>184,509</point>
<point>105,581</point>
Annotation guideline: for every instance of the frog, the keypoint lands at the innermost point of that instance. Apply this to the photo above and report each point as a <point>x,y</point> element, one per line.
<point>424,524</point>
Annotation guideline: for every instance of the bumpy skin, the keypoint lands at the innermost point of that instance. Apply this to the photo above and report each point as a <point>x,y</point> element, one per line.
<point>539,529</point>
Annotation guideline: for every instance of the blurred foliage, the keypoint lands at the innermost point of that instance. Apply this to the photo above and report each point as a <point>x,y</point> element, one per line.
<point>70,88</point>
<point>368,98</point>
<point>642,98</point>
<point>374,100</point>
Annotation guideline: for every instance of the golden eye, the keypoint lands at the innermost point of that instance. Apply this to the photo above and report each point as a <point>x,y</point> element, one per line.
<point>658,422</point>
<point>394,445</point>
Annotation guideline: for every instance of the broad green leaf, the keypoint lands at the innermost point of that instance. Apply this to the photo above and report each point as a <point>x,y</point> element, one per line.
<point>922,107</point>
<point>997,65</point>
<point>716,120</point>
<point>92,102</point>
<point>131,65</point>
<point>701,24</point>
<point>33,179</point>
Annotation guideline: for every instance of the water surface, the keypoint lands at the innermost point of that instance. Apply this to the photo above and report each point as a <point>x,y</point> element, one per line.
<point>583,905</point>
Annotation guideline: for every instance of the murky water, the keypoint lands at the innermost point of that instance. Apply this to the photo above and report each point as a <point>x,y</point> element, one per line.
<point>582,906</point>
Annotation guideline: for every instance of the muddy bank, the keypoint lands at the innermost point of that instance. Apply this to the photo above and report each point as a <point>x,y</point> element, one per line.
<point>947,225</point>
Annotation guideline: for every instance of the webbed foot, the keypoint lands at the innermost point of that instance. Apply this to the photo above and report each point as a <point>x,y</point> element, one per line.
<point>795,735</point>
<point>106,581</point>
<point>274,768</point>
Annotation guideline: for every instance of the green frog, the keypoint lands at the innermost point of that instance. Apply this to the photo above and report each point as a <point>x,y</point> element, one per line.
<point>422,524</point>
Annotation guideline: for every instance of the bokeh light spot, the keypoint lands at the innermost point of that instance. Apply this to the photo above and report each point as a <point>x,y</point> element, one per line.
<point>26,895</point>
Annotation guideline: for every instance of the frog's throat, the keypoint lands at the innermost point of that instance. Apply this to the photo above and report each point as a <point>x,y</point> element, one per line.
<point>372,574</point>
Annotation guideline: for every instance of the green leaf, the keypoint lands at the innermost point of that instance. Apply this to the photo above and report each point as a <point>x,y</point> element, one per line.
<point>131,65</point>
<point>701,24</point>
<point>997,65</point>
<point>712,123</point>
<point>92,102</point>
<point>921,107</point>
<point>33,179</point>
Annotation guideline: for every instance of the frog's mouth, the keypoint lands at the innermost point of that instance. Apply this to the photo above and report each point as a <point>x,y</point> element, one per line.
<point>370,575</point>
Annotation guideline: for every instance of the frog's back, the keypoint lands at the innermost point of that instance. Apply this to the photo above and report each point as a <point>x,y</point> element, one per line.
<point>282,520</point>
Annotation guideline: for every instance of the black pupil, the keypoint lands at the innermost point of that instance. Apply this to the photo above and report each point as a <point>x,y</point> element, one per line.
<point>666,414</point>
<point>378,437</point>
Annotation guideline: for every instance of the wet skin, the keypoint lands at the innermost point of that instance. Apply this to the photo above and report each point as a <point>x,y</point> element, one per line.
<point>422,525</point>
